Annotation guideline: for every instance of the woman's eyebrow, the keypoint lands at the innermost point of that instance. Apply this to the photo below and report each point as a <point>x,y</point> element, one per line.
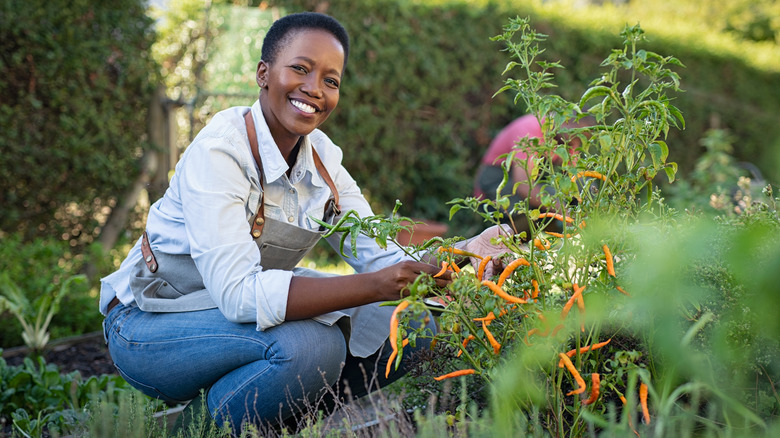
<point>313,62</point>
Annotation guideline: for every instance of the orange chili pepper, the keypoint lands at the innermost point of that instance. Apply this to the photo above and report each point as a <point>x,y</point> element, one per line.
<point>542,245</point>
<point>491,339</point>
<point>455,374</point>
<point>594,389</point>
<point>510,268</point>
<point>567,219</point>
<point>536,289</point>
<point>559,235</point>
<point>581,306</point>
<point>572,352</point>
<point>575,373</point>
<point>482,266</point>
<point>393,356</point>
<point>610,261</point>
<point>490,317</point>
<point>643,402</point>
<point>457,251</point>
<point>575,297</point>
<point>588,173</point>
<point>444,266</point>
<point>500,292</point>
<point>465,342</point>
<point>622,291</point>
<point>394,324</point>
<point>557,216</point>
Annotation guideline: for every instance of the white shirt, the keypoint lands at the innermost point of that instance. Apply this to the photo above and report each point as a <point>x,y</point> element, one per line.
<point>213,194</point>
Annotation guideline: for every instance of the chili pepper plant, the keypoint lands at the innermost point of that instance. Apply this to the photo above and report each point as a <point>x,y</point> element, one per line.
<point>563,322</point>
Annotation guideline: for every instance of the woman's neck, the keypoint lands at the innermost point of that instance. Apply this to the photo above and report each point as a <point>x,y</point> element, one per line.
<point>292,155</point>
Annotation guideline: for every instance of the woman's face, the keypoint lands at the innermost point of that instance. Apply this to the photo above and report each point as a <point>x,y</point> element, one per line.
<point>301,87</point>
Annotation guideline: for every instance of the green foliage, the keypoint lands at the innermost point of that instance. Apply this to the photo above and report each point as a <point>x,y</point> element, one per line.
<point>718,183</point>
<point>75,81</point>
<point>378,227</point>
<point>35,396</point>
<point>39,271</point>
<point>730,82</point>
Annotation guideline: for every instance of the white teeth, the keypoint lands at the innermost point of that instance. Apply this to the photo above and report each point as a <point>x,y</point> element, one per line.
<point>303,107</point>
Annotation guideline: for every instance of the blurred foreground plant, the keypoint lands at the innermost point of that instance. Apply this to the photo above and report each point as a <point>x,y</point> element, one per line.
<point>35,315</point>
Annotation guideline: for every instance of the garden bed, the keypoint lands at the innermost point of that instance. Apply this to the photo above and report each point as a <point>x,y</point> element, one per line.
<point>86,354</point>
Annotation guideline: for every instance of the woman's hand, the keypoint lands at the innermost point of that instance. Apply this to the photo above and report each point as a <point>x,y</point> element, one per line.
<point>482,245</point>
<point>392,282</point>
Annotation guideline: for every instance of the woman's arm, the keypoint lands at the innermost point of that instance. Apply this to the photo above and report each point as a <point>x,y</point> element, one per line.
<point>309,296</point>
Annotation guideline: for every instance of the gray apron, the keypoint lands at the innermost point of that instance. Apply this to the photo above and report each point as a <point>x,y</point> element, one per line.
<point>172,283</point>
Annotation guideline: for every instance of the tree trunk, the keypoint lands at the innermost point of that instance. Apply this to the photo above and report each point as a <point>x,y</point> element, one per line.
<point>150,165</point>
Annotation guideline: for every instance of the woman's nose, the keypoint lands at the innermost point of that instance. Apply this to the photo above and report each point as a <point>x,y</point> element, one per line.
<point>312,88</point>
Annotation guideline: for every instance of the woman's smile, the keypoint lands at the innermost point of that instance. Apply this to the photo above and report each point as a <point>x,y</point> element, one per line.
<point>305,107</point>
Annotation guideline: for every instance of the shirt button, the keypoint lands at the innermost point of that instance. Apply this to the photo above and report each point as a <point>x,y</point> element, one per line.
<point>292,190</point>
<point>290,219</point>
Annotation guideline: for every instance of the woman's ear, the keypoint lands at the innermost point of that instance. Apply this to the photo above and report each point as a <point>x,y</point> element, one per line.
<point>262,74</point>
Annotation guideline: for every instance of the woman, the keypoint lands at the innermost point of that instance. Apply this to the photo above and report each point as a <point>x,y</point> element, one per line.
<point>195,305</point>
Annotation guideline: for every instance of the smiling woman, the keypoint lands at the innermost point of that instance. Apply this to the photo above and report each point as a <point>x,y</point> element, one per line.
<point>210,299</point>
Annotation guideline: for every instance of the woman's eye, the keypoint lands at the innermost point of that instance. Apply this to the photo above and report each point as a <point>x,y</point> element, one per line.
<point>332,82</point>
<point>299,68</point>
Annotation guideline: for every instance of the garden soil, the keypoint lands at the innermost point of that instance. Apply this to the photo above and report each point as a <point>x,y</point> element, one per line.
<point>86,354</point>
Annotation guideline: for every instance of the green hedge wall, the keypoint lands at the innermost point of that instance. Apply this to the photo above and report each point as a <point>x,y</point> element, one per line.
<point>75,83</point>
<point>417,111</point>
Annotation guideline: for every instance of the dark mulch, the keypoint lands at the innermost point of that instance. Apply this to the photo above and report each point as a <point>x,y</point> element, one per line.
<point>86,354</point>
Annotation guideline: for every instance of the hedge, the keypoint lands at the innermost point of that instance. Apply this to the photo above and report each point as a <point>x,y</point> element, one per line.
<point>75,83</point>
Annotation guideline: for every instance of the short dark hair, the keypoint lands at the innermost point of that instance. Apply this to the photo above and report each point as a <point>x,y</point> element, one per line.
<point>282,28</point>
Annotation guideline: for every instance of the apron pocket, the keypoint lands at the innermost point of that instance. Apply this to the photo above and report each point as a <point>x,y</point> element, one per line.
<point>277,257</point>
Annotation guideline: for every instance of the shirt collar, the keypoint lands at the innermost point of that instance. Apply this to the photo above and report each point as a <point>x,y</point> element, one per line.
<point>274,164</point>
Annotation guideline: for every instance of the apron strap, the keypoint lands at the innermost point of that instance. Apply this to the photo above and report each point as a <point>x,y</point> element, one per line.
<point>333,201</point>
<point>146,250</point>
<point>259,221</point>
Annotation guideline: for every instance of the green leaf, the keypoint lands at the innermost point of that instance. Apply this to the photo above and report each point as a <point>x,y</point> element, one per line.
<point>677,115</point>
<point>454,209</point>
<point>658,152</point>
<point>354,233</point>
<point>671,171</point>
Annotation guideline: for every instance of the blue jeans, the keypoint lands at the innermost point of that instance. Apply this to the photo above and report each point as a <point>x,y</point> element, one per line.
<point>261,377</point>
